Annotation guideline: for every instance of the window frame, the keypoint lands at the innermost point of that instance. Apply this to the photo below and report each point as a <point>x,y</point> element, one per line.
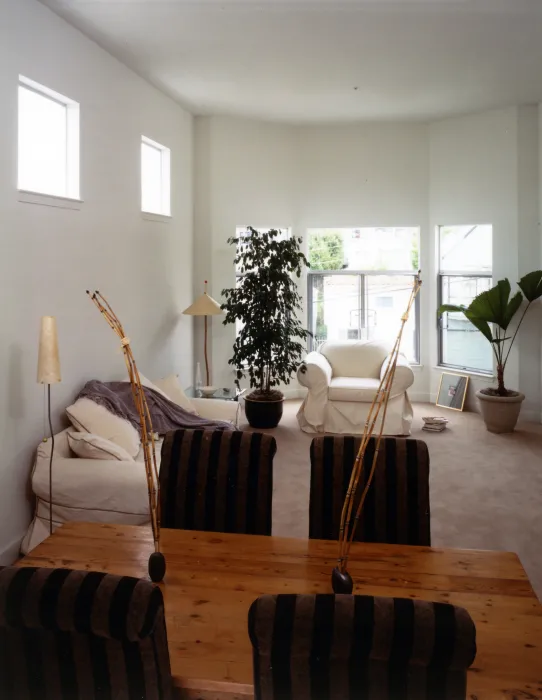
<point>72,190</point>
<point>472,274</point>
<point>362,274</point>
<point>165,179</point>
<point>440,321</point>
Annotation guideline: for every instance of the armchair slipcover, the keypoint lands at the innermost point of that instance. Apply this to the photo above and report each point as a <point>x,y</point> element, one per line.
<point>343,379</point>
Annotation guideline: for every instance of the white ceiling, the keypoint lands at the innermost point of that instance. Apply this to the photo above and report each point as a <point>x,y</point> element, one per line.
<point>300,61</point>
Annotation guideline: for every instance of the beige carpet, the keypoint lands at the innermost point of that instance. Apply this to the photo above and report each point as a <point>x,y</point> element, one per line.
<point>486,490</point>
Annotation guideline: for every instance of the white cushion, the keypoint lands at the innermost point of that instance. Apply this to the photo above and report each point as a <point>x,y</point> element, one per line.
<point>89,417</point>
<point>172,390</point>
<point>353,389</point>
<point>355,358</point>
<point>89,446</point>
<point>148,384</point>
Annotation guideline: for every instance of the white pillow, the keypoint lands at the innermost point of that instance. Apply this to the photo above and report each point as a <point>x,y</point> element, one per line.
<point>89,446</point>
<point>89,417</point>
<point>173,391</point>
<point>148,384</point>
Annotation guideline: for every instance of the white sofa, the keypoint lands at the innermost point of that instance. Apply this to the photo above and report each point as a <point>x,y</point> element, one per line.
<point>342,379</point>
<point>96,490</point>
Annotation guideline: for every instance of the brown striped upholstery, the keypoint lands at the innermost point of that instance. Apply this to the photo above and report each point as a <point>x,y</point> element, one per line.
<point>344,647</point>
<point>68,634</point>
<point>396,509</point>
<point>216,480</point>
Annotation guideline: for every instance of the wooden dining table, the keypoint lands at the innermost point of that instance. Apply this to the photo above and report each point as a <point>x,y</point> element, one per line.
<point>212,578</point>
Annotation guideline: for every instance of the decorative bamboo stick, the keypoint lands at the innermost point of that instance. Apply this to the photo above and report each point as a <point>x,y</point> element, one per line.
<point>157,564</point>
<point>347,527</point>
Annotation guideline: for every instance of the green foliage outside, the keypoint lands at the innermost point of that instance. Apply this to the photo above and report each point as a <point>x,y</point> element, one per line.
<point>326,251</point>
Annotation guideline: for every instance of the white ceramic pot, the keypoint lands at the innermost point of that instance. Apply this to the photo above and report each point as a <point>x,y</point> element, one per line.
<point>208,391</point>
<point>500,413</point>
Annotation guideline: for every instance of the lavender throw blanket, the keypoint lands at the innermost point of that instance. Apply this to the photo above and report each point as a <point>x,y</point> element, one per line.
<point>117,398</point>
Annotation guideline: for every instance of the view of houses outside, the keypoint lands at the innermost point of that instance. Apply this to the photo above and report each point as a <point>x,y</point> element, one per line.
<point>362,305</point>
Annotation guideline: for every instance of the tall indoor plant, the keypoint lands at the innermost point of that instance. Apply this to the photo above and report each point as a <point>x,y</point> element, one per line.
<point>500,406</point>
<point>265,303</point>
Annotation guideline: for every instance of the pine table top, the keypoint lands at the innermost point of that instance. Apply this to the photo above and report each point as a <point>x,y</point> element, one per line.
<point>212,578</point>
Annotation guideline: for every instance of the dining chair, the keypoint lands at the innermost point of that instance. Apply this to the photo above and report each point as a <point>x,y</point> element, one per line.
<point>355,647</point>
<point>396,509</point>
<point>81,634</point>
<point>217,480</point>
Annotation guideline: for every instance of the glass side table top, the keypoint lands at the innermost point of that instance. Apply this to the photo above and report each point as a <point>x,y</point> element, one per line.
<point>223,393</point>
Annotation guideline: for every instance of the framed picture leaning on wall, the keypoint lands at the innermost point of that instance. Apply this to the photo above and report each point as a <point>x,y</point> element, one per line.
<point>452,391</point>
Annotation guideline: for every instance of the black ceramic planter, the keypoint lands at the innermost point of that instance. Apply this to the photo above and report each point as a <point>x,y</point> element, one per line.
<point>263,414</point>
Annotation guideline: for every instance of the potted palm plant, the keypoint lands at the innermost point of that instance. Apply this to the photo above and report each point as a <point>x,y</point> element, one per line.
<point>264,304</point>
<point>491,312</point>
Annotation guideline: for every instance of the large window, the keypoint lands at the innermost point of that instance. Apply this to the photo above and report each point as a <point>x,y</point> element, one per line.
<point>359,285</point>
<point>465,260</point>
<point>155,178</point>
<point>48,141</point>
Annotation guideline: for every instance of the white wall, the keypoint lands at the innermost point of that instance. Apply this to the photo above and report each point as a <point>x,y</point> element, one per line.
<point>52,255</point>
<point>245,175</point>
<point>262,174</point>
<point>476,169</point>
<point>484,170</point>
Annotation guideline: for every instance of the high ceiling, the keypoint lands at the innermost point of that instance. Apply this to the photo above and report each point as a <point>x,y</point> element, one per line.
<point>314,61</point>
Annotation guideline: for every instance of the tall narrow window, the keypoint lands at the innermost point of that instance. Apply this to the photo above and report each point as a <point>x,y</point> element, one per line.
<point>359,284</point>
<point>155,178</point>
<point>48,141</point>
<point>465,267</point>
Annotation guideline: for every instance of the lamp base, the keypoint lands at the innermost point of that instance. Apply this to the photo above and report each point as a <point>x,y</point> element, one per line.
<point>157,567</point>
<point>341,582</point>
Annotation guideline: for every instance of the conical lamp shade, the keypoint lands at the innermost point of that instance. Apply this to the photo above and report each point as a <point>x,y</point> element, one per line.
<point>48,359</point>
<point>204,306</point>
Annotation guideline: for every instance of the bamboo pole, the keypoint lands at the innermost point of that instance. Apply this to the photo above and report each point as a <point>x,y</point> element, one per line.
<point>147,433</point>
<point>347,527</point>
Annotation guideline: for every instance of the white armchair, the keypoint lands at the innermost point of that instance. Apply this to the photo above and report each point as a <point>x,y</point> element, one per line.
<point>342,379</point>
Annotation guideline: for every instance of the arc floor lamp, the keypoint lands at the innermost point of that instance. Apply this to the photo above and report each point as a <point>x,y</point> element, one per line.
<point>204,306</point>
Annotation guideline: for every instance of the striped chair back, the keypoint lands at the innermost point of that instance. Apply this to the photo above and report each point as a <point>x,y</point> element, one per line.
<point>344,647</point>
<point>396,509</point>
<point>217,480</point>
<point>78,634</point>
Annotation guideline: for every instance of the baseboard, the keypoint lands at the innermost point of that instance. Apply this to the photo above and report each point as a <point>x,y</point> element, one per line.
<point>530,415</point>
<point>420,397</point>
<point>294,393</point>
<point>11,553</point>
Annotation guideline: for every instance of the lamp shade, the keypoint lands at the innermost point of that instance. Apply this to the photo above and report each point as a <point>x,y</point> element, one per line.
<point>48,359</point>
<point>204,306</point>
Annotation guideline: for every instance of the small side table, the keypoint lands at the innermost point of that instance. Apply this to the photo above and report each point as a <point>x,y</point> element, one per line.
<point>223,394</point>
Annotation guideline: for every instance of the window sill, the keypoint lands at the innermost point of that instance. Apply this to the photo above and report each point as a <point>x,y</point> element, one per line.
<point>468,372</point>
<point>49,200</point>
<point>160,218</point>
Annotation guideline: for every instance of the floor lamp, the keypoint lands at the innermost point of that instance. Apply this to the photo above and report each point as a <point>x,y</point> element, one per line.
<point>49,373</point>
<point>204,306</point>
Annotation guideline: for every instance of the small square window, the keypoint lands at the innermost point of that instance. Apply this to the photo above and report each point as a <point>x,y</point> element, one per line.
<point>48,141</point>
<point>155,178</point>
